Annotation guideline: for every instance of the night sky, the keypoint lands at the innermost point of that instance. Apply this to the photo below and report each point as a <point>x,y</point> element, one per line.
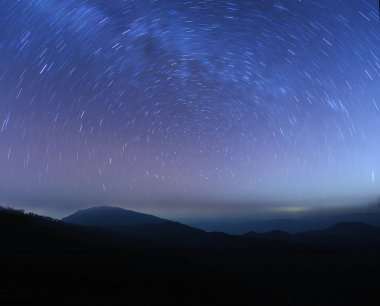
<point>198,105</point>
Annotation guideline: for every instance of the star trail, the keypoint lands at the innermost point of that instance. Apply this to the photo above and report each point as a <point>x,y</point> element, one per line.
<point>256,100</point>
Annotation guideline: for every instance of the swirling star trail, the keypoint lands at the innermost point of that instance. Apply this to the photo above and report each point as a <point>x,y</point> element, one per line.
<point>251,99</point>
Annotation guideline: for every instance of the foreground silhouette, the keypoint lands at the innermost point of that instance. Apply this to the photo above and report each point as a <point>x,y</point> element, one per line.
<point>53,262</point>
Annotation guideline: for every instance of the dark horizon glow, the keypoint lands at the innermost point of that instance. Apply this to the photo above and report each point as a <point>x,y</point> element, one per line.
<point>198,107</point>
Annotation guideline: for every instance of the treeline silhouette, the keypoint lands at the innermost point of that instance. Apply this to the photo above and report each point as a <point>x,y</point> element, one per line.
<point>53,262</point>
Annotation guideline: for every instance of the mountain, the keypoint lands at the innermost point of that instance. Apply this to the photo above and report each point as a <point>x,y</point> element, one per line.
<point>349,229</point>
<point>149,228</point>
<point>341,236</point>
<point>239,228</point>
<point>345,235</point>
<point>47,259</point>
<point>159,232</point>
<point>106,216</point>
<point>291,225</point>
<point>28,232</point>
<point>154,231</point>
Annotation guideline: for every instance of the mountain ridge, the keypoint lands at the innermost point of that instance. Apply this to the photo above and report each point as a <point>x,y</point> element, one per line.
<point>105,216</point>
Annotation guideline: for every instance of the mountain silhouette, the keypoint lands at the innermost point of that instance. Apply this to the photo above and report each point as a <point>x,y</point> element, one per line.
<point>47,259</point>
<point>349,229</point>
<point>345,235</point>
<point>159,232</point>
<point>29,232</point>
<point>341,236</point>
<point>291,225</point>
<point>146,227</point>
<point>107,216</point>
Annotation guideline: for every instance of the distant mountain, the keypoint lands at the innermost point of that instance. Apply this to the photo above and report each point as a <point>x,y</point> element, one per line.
<point>288,225</point>
<point>106,216</point>
<point>363,217</point>
<point>142,226</point>
<point>155,231</point>
<point>33,233</point>
<point>239,228</point>
<point>349,229</point>
<point>341,236</point>
<point>159,232</point>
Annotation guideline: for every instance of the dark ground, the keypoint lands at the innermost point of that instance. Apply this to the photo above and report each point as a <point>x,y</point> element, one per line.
<point>48,262</point>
